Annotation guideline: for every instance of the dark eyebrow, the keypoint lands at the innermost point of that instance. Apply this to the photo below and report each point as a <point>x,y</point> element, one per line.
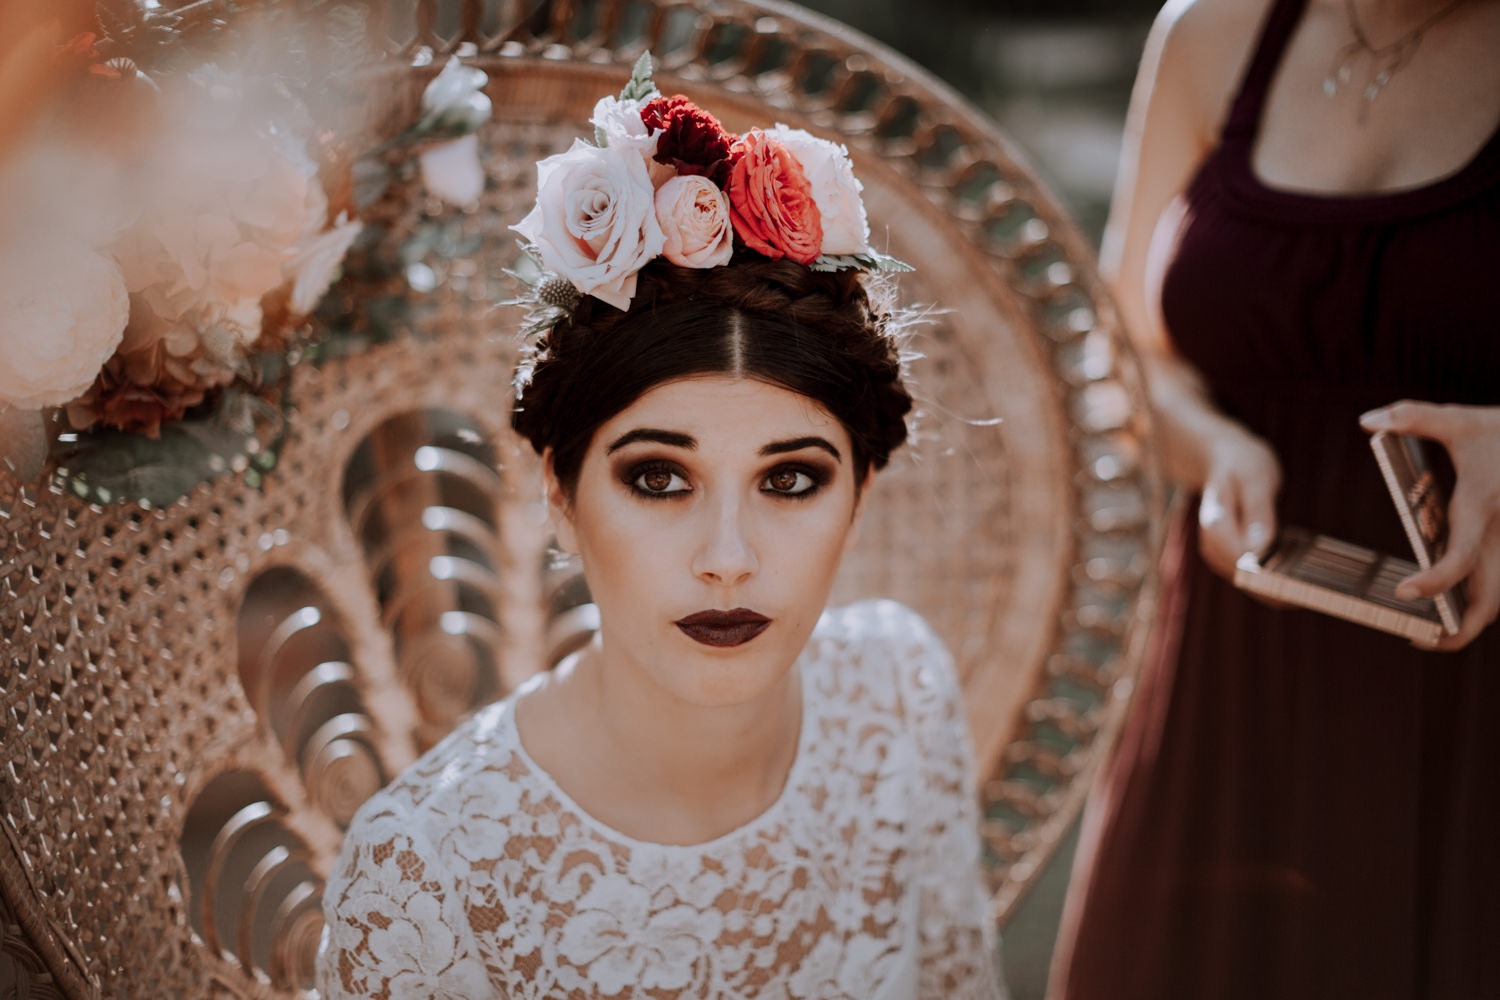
<point>673,438</point>
<point>797,444</point>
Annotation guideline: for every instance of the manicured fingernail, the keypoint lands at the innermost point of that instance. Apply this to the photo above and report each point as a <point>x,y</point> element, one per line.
<point>1406,590</point>
<point>1256,537</point>
<point>1375,420</point>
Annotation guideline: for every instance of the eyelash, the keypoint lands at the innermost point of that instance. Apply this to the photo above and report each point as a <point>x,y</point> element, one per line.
<point>817,478</point>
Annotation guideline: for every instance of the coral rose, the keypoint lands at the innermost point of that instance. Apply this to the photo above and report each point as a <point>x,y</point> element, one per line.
<point>63,320</point>
<point>771,202</point>
<point>846,230</point>
<point>691,139</point>
<point>694,218</point>
<point>595,219</point>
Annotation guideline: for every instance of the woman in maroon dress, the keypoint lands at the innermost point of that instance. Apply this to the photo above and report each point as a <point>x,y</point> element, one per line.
<point>1306,234</point>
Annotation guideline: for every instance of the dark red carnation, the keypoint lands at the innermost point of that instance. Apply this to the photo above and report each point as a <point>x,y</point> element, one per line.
<point>692,140</point>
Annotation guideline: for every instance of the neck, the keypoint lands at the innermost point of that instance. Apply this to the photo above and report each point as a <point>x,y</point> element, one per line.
<point>705,770</point>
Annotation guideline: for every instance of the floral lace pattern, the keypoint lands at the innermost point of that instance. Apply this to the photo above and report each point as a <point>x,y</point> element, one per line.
<point>474,875</point>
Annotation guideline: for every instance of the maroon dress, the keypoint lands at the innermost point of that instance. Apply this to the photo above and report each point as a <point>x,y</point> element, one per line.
<point>1300,807</point>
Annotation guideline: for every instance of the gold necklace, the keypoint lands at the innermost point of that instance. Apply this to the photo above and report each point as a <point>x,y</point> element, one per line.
<point>1385,59</point>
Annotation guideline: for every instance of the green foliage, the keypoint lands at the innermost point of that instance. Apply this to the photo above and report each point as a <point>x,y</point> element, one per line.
<point>239,432</point>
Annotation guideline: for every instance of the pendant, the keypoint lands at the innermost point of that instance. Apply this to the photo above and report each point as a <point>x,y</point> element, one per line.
<point>1341,72</point>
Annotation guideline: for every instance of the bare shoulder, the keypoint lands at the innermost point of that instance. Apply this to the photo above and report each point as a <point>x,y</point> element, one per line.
<point>1203,48</point>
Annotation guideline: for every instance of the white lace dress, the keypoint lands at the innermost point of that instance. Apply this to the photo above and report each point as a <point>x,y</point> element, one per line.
<point>475,875</point>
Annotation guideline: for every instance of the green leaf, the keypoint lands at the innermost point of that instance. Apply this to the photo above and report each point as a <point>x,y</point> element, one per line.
<point>111,466</point>
<point>641,85</point>
<point>870,260</point>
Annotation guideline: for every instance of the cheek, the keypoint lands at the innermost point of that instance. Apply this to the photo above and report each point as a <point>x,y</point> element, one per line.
<point>810,549</point>
<point>623,548</point>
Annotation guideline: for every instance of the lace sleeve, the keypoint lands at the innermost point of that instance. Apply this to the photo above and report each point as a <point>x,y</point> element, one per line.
<point>959,951</point>
<point>396,925</point>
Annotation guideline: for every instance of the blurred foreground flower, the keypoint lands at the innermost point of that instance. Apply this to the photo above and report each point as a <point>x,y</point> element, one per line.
<point>159,236</point>
<point>454,106</point>
<point>171,226</point>
<point>64,317</point>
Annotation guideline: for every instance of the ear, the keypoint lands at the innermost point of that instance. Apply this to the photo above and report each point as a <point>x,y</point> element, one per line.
<point>857,519</point>
<point>559,509</point>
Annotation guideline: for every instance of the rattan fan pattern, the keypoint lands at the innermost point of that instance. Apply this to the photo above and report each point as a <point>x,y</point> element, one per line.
<point>193,700</point>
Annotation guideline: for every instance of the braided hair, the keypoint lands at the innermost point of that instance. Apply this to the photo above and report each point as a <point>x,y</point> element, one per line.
<point>815,333</point>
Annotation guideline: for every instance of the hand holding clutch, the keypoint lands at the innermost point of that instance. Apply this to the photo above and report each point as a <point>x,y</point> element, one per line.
<point>1472,436</point>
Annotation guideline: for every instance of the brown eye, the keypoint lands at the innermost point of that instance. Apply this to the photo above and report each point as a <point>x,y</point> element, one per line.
<point>657,481</point>
<point>783,481</point>
<point>790,481</point>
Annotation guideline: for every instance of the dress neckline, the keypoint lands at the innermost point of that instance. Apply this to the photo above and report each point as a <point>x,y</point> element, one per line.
<point>1242,129</point>
<point>767,816</point>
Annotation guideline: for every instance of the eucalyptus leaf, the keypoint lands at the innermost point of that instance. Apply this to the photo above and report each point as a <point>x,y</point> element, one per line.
<point>372,178</point>
<point>108,466</point>
<point>870,260</point>
<point>641,86</point>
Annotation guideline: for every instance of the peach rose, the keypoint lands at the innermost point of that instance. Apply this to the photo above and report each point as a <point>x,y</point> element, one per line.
<point>771,201</point>
<point>694,218</point>
<point>846,230</point>
<point>594,222</point>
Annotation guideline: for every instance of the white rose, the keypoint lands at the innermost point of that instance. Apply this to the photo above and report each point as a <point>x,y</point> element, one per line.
<point>452,171</point>
<point>694,218</point>
<point>619,124</point>
<point>455,98</point>
<point>63,318</point>
<point>595,219</point>
<point>835,189</point>
<point>318,262</point>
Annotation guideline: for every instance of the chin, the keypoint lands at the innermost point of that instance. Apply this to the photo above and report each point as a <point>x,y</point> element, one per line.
<point>720,677</point>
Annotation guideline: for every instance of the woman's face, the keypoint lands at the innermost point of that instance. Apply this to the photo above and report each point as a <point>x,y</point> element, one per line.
<point>711,515</point>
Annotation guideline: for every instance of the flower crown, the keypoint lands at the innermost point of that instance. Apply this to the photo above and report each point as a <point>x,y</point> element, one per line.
<point>664,179</point>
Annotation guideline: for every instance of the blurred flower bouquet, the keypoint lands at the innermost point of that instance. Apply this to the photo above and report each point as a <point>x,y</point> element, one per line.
<point>168,234</point>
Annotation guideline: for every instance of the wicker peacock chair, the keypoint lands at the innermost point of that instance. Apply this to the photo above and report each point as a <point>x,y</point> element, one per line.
<point>193,700</point>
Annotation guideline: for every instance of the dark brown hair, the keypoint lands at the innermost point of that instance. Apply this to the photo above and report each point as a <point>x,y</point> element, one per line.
<point>815,333</point>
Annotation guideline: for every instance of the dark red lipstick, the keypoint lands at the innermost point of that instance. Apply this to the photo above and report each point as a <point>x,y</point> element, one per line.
<point>724,628</point>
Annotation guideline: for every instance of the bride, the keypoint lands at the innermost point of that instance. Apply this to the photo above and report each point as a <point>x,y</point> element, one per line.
<point>731,792</point>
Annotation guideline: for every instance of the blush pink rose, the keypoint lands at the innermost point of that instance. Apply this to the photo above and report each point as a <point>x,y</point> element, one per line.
<point>694,218</point>
<point>594,222</point>
<point>771,201</point>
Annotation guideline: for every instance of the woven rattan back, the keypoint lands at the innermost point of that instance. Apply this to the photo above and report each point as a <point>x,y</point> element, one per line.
<point>194,700</point>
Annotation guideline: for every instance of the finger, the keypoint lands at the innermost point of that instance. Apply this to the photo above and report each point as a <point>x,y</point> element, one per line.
<point>1466,531</point>
<point>1258,515</point>
<point>1429,420</point>
<point>1220,539</point>
<point>1484,604</point>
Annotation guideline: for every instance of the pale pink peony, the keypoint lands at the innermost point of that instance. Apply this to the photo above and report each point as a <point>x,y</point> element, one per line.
<point>594,222</point>
<point>64,317</point>
<point>694,218</point>
<point>846,230</point>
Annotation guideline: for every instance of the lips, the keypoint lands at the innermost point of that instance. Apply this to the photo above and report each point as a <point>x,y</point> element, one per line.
<point>723,628</point>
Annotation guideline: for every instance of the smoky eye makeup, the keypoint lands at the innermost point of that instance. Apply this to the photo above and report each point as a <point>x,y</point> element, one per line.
<point>654,479</point>
<point>796,480</point>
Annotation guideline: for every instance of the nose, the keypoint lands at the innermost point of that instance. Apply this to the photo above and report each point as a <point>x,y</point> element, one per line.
<point>726,555</point>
